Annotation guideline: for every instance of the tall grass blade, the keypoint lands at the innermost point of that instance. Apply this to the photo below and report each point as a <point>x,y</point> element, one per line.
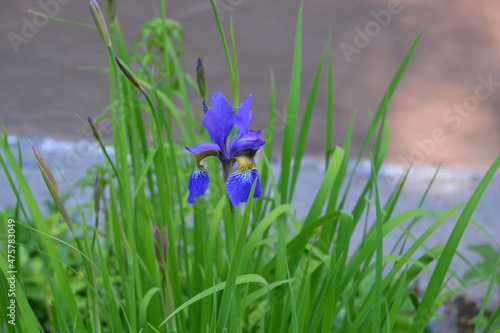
<point>424,310</point>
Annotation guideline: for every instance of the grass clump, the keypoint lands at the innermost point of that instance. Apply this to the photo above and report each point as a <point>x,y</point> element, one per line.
<point>141,259</point>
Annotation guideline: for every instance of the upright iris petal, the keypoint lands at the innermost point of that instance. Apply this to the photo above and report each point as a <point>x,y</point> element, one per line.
<point>198,183</point>
<point>243,116</point>
<point>219,121</point>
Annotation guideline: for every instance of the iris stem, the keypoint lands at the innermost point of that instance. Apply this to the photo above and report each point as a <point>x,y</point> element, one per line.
<point>226,175</point>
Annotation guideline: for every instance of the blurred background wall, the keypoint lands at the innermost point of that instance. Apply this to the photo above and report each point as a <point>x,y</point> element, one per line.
<point>446,108</point>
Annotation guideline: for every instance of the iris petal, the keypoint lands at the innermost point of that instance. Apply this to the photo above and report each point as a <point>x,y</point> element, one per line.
<point>250,140</point>
<point>219,120</point>
<point>243,116</point>
<point>203,146</point>
<point>239,185</point>
<point>198,183</point>
<point>213,123</point>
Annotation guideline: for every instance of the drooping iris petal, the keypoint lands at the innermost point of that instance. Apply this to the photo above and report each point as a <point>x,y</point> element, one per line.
<point>219,120</point>
<point>243,116</point>
<point>203,146</point>
<point>198,183</point>
<point>250,140</point>
<point>239,185</point>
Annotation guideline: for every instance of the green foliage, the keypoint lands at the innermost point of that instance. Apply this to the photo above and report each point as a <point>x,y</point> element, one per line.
<point>488,266</point>
<point>93,268</point>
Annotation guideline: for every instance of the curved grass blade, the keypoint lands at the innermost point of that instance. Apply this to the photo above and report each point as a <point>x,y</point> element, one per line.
<point>248,278</point>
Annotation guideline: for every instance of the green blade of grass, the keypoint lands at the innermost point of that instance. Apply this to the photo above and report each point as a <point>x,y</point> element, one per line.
<point>143,307</point>
<point>296,245</point>
<point>248,278</point>
<point>236,78</point>
<point>395,308</point>
<point>292,111</point>
<point>62,20</point>
<point>424,310</point>
<point>326,185</point>
<point>378,258</point>
<point>304,128</point>
<point>224,42</point>
<point>260,205</point>
<point>257,233</point>
<point>111,304</point>
<point>329,103</point>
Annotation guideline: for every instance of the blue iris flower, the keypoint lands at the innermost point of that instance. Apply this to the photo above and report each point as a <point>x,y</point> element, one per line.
<point>236,156</point>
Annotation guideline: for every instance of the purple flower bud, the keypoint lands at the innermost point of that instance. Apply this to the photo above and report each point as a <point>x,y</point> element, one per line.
<point>200,77</point>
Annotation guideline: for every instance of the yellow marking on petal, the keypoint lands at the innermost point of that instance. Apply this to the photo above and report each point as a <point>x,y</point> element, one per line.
<point>244,163</point>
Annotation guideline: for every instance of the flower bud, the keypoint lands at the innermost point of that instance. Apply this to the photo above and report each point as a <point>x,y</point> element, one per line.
<point>100,22</point>
<point>200,77</point>
<point>95,129</point>
<point>161,244</point>
<point>205,107</point>
<point>50,181</point>
<point>128,73</point>
<point>46,173</point>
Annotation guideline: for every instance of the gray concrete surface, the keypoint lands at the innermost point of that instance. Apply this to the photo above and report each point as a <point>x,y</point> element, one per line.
<point>451,187</point>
